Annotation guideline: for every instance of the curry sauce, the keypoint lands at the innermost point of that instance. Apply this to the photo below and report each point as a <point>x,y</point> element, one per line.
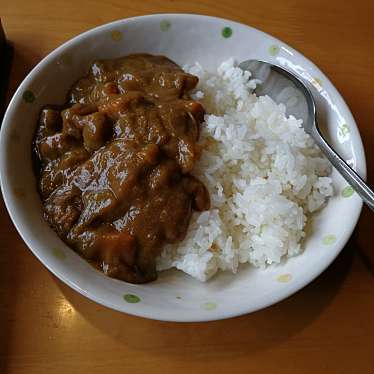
<point>115,163</point>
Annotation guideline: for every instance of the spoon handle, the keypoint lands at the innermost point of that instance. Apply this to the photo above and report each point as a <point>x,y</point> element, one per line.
<point>366,194</point>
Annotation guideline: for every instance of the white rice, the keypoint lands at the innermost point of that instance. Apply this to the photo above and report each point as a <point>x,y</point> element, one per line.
<point>264,174</point>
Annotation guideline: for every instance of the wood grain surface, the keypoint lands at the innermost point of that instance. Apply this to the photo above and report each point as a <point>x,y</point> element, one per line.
<point>328,327</point>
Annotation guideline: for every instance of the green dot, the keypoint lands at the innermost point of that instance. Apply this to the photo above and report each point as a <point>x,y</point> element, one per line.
<point>348,191</point>
<point>165,25</point>
<point>28,96</point>
<point>274,50</point>
<point>130,298</point>
<point>226,32</point>
<point>209,306</point>
<point>58,253</point>
<point>178,297</point>
<point>329,239</point>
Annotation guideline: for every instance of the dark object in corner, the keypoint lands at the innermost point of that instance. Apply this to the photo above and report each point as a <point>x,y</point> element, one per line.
<point>6,54</point>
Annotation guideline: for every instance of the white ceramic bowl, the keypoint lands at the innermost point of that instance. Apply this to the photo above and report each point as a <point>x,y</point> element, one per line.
<point>174,296</point>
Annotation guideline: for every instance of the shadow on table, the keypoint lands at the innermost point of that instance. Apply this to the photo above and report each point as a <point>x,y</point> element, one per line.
<point>237,336</point>
<point>24,60</point>
<point>8,275</point>
<point>364,233</point>
<point>8,288</point>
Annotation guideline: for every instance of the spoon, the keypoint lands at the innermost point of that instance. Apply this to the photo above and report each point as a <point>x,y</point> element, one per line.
<point>284,87</point>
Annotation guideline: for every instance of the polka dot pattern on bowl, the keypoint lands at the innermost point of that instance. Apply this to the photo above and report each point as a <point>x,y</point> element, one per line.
<point>284,278</point>
<point>227,32</point>
<point>348,191</point>
<point>165,25</point>
<point>329,239</point>
<point>58,253</point>
<point>273,50</point>
<point>131,298</point>
<point>28,96</point>
<point>316,82</point>
<point>344,130</point>
<point>209,305</point>
<point>116,35</point>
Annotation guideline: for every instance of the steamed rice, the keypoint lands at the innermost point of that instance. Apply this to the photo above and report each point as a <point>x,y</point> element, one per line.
<point>264,174</point>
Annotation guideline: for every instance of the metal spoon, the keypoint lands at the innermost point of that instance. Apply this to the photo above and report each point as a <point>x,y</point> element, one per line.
<point>283,86</point>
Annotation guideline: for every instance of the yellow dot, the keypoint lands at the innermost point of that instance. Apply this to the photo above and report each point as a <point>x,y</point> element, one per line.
<point>329,239</point>
<point>284,278</point>
<point>116,35</point>
<point>209,306</point>
<point>317,82</point>
<point>274,50</point>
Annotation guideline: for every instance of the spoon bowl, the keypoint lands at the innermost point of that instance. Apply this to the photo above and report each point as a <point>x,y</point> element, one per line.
<point>284,87</point>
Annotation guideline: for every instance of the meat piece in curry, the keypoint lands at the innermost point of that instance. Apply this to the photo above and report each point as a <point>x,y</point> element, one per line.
<point>115,163</point>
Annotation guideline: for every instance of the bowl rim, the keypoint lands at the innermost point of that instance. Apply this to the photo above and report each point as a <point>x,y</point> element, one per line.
<point>8,199</point>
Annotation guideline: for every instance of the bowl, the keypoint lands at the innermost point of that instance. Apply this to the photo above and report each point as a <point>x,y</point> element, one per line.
<point>185,38</point>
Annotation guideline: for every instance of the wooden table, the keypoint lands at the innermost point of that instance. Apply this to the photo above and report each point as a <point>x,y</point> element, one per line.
<point>326,328</point>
